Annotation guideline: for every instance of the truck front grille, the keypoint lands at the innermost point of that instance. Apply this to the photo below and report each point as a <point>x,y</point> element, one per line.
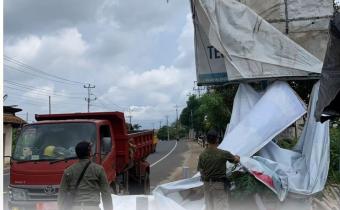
<point>41,194</point>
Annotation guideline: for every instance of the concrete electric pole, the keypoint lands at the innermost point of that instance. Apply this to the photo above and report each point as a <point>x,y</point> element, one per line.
<point>167,125</point>
<point>89,99</point>
<point>49,104</point>
<point>177,136</point>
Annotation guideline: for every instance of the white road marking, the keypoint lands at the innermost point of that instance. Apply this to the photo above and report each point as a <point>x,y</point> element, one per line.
<point>165,156</point>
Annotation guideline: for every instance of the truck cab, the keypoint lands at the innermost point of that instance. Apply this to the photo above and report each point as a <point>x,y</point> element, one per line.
<point>46,148</point>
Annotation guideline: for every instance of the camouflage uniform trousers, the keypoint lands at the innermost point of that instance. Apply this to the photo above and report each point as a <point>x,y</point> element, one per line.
<point>215,196</point>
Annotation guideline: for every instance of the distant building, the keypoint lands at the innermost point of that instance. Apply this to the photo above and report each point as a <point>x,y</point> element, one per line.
<point>10,122</point>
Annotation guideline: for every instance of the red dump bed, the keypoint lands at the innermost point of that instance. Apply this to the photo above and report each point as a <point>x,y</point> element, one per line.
<point>142,140</point>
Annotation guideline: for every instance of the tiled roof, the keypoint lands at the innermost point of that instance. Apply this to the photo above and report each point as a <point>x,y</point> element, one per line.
<point>11,119</point>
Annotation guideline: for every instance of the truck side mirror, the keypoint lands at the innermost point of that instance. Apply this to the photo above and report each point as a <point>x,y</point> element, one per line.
<point>106,145</point>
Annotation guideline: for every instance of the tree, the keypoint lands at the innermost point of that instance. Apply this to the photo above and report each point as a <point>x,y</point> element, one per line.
<point>215,111</point>
<point>163,133</point>
<point>209,111</point>
<point>190,117</point>
<point>136,127</point>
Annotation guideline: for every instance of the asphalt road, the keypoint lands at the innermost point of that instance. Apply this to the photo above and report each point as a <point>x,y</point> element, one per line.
<point>5,188</point>
<point>163,162</point>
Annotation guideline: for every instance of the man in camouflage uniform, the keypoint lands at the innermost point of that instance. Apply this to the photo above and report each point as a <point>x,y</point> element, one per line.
<point>93,183</point>
<point>212,166</point>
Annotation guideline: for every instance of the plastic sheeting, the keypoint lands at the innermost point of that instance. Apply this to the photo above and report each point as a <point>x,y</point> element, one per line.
<point>257,125</point>
<point>329,94</point>
<point>233,43</point>
<point>302,171</point>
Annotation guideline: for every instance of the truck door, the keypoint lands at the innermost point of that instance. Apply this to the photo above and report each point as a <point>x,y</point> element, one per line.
<point>107,152</point>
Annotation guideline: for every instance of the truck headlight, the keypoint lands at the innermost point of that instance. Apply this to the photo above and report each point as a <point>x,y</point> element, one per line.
<point>17,194</point>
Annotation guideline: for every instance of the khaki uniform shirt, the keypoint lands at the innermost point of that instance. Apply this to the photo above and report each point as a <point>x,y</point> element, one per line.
<point>92,184</point>
<point>212,163</point>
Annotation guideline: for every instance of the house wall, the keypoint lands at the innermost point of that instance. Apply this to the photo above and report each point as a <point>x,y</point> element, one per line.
<point>7,138</point>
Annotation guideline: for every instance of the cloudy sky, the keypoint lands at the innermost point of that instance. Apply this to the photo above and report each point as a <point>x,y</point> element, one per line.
<point>138,54</point>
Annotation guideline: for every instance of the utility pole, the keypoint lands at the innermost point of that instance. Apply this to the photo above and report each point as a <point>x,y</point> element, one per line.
<point>89,99</point>
<point>167,125</point>
<point>160,124</point>
<point>192,121</point>
<point>177,136</point>
<point>49,104</point>
<point>130,117</point>
<point>27,117</point>
<point>191,131</point>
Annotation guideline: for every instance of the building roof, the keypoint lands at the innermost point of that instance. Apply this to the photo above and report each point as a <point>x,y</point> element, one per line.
<point>11,109</point>
<point>12,119</point>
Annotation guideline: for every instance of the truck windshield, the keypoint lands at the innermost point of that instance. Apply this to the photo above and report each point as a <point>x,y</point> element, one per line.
<point>52,141</point>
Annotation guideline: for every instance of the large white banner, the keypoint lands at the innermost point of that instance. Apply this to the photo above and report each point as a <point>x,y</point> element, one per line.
<point>233,43</point>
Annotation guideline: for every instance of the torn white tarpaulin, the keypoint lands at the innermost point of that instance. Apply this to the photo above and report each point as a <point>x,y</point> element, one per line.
<point>278,108</point>
<point>233,43</point>
<point>303,171</point>
<point>307,166</point>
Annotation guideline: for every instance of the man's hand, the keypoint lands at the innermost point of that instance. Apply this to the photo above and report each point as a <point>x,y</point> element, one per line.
<point>236,159</point>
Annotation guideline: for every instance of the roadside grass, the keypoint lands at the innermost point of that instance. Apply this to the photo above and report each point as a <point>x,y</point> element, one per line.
<point>334,170</point>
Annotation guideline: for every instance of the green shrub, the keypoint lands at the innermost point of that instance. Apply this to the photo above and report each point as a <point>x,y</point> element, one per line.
<point>334,174</point>
<point>246,186</point>
<point>287,143</point>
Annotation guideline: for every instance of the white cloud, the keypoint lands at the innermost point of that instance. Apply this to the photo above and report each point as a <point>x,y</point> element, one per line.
<point>186,44</point>
<point>138,54</point>
<point>64,43</point>
<point>26,48</point>
<point>152,79</point>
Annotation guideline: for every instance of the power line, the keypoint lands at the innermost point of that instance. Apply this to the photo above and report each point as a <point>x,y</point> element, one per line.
<point>22,64</point>
<point>9,81</point>
<point>35,75</point>
<point>121,107</point>
<point>103,104</point>
<point>106,104</point>
<point>46,91</point>
<point>25,97</point>
<point>37,92</point>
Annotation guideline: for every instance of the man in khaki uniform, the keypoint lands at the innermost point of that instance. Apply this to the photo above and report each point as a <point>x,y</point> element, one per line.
<point>93,183</point>
<point>212,166</point>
